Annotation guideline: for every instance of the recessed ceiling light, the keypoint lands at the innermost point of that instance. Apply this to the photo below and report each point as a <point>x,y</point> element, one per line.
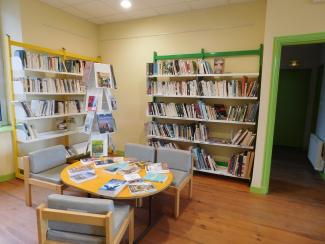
<point>126,4</point>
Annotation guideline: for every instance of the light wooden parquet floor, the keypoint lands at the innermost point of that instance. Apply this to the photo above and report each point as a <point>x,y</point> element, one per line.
<point>221,211</point>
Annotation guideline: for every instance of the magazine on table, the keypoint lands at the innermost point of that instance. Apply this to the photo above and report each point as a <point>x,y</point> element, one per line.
<point>141,188</point>
<point>82,177</point>
<point>129,170</point>
<point>81,169</point>
<point>160,178</point>
<point>116,167</point>
<point>103,163</point>
<point>88,160</point>
<point>112,187</point>
<point>132,178</point>
<point>161,168</point>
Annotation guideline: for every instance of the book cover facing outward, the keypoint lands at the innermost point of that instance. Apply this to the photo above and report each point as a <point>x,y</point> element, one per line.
<point>99,145</point>
<point>112,187</point>
<point>106,123</point>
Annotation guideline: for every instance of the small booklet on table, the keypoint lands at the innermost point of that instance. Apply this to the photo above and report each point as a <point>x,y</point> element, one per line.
<point>141,188</point>
<point>81,169</point>
<point>112,187</point>
<point>116,167</point>
<point>161,178</point>
<point>82,177</point>
<point>159,168</point>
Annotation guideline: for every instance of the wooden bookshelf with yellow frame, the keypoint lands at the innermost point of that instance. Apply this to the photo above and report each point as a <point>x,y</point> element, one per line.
<point>64,55</point>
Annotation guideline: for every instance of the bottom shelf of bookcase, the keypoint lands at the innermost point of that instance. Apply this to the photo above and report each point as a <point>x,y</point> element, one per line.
<point>222,172</point>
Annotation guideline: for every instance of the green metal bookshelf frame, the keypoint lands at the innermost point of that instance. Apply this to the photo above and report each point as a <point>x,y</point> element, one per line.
<point>203,55</point>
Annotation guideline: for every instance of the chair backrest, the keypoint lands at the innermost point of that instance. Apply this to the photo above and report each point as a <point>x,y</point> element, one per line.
<point>140,152</point>
<point>47,158</point>
<point>176,159</point>
<point>79,204</point>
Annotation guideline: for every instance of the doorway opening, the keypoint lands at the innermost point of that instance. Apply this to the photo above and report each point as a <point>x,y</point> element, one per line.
<point>299,128</point>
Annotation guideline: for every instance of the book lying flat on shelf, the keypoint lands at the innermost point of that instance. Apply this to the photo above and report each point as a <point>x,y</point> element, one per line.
<point>112,187</point>
<point>158,168</point>
<point>81,169</point>
<point>106,123</point>
<point>155,177</point>
<point>141,188</point>
<point>82,177</point>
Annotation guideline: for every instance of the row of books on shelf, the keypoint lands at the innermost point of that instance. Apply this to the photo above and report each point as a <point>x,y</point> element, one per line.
<point>37,108</point>
<point>185,67</point>
<point>159,143</point>
<point>222,88</point>
<point>52,85</point>
<point>43,61</point>
<point>198,132</point>
<point>239,164</point>
<point>200,110</point>
<point>127,169</point>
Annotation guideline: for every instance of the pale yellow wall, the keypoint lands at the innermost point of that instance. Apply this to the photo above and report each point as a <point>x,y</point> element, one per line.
<point>50,27</point>
<point>34,22</point>
<point>130,45</point>
<point>283,18</point>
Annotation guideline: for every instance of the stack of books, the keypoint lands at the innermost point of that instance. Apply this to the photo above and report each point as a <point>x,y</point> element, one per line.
<point>52,85</point>
<point>196,131</point>
<point>243,138</point>
<point>82,173</point>
<point>39,108</point>
<point>200,110</point>
<point>241,164</point>
<point>221,88</point>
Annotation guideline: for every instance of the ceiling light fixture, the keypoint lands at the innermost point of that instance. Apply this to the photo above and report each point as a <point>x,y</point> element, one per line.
<point>126,4</point>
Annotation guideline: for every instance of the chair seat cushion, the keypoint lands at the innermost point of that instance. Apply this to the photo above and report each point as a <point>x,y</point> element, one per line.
<point>179,176</point>
<point>51,175</point>
<point>76,238</point>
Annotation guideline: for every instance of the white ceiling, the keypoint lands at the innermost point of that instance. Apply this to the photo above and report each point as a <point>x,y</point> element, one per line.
<point>107,11</point>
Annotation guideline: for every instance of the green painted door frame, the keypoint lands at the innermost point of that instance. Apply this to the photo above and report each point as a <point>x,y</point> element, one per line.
<point>279,42</point>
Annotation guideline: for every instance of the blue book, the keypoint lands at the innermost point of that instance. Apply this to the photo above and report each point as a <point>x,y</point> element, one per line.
<point>112,187</point>
<point>161,178</point>
<point>116,167</point>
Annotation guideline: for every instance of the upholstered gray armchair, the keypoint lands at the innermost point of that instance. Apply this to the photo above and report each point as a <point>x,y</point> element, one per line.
<point>70,219</point>
<point>43,168</point>
<point>140,152</point>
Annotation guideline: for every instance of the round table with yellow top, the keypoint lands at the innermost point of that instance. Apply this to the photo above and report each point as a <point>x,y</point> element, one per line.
<point>92,187</point>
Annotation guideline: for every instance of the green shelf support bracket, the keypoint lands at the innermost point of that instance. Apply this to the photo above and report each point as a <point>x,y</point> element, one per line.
<point>203,54</point>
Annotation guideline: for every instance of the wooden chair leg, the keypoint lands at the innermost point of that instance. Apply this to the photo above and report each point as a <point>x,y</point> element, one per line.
<point>190,188</point>
<point>131,226</point>
<point>177,198</point>
<point>28,193</point>
<point>41,224</point>
<point>59,190</point>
